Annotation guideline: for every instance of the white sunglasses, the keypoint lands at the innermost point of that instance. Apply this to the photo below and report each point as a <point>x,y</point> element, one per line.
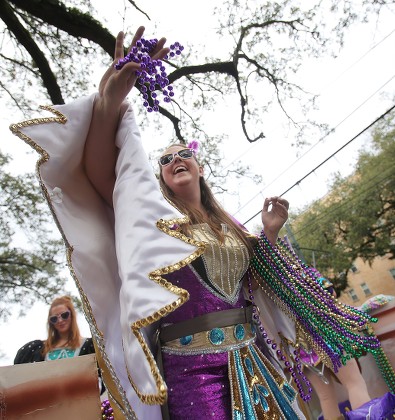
<point>169,157</point>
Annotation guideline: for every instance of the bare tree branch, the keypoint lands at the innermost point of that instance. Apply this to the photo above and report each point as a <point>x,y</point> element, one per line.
<point>70,20</point>
<point>24,38</point>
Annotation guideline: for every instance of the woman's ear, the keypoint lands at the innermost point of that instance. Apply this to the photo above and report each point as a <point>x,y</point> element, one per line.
<point>201,171</point>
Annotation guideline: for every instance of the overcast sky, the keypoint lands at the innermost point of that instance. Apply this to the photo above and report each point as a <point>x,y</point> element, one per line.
<point>354,88</point>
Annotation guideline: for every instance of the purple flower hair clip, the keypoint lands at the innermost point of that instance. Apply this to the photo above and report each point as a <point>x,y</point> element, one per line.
<point>194,145</point>
<point>152,75</point>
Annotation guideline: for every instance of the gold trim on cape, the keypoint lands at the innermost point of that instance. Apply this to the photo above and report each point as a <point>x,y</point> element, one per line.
<point>165,226</point>
<point>115,389</point>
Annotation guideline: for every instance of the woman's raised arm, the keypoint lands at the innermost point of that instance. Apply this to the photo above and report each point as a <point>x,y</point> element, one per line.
<point>100,150</point>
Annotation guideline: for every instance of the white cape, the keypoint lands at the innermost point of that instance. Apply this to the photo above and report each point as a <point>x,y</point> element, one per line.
<point>117,268</point>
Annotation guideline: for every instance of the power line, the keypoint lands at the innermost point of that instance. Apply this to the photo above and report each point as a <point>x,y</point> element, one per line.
<point>330,157</point>
<point>344,205</point>
<point>365,183</point>
<point>358,60</point>
<point>332,130</point>
<point>329,84</point>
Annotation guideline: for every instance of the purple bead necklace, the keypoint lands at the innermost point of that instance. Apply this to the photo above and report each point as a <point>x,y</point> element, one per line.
<point>297,374</point>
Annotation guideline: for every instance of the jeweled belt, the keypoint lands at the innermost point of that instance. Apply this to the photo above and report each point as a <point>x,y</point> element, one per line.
<point>182,334</point>
<point>213,332</point>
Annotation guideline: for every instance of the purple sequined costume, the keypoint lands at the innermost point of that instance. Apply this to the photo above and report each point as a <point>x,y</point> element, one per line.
<point>198,385</point>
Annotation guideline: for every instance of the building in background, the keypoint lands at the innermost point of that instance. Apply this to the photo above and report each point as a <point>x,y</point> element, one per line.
<point>366,281</point>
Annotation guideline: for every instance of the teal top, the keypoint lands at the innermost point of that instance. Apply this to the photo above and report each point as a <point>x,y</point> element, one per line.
<point>63,353</point>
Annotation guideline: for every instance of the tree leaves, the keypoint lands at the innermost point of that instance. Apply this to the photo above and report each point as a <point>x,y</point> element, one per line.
<point>357,217</point>
<point>262,46</point>
<point>30,264</point>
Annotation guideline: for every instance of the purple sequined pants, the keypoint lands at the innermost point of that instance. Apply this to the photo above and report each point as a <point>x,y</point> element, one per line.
<point>198,386</point>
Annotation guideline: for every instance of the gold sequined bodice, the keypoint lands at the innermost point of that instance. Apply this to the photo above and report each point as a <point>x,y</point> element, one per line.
<point>225,262</point>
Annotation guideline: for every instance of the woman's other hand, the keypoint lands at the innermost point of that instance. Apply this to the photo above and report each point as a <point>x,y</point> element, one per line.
<point>274,215</point>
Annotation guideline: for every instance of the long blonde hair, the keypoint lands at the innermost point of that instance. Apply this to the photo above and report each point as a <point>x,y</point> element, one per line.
<point>53,335</point>
<point>216,214</point>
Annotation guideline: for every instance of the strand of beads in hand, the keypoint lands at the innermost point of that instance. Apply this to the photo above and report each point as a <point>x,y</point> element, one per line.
<point>152,73</point>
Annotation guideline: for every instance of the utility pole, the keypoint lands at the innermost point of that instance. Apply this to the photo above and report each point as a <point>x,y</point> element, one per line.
<point>294,244</point>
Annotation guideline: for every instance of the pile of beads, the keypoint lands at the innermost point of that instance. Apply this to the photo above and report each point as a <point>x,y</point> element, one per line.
<point>339,332</point>
<point>153,72</point>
